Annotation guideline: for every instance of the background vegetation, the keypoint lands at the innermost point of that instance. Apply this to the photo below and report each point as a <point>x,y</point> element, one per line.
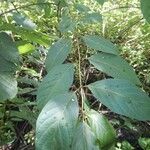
<point>35,24</point>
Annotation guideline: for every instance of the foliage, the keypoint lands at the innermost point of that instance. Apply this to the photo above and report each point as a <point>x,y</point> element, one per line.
<point>44,77</point>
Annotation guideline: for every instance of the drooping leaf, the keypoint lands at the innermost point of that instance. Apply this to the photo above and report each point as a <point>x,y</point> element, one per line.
<point>114,66</point>
<point>24,21</point>
<point>100,44</point>
<point>101,1</point>
<point>84,138</point>
<point>32,36</point>
<point>145,7</point>
<point>58,53</point>
<point>103,130</point>
<point>66,24</point>
<point>82,8</point>
<point>9,59</point>
<point>91,18</point>
<point>122,97</point>
<point>56,123</point>
<point>57,81</point>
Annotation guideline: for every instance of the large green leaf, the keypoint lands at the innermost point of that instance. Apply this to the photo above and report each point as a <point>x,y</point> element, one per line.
<point>145,7</point>
<point>9,58</point>
<point>84,138</point>
<point>103,130</point>
<point>114,66</point>
<point>24,21</point>
<point>100,44</point>
<point>122,97</point>
<point>58,53</point>
<point>56,123</point>
<point>57,81</point>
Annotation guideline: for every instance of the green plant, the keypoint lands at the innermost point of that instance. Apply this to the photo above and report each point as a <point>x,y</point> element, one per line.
<point>66,119</point>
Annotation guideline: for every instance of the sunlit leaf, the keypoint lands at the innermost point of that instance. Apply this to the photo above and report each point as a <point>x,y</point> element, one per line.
<point>26,48</point>
<point>24,21</point>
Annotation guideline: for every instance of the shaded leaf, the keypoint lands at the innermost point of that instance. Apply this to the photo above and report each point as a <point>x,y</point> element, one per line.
<point>56,123</point>
<point>66,24</point>
<point>145,7</point>
<point>94,17</point>
<point>114,66</point>
<point>122,97</point>
<point>101,1</point>
<point>82,8</point>
<point>9,59</point>
<point>100,44</point>
<point>58,53</point>
<point>57,81</point>
<point>103,130</point>
<point>84,138</point>
<point>8,86</point>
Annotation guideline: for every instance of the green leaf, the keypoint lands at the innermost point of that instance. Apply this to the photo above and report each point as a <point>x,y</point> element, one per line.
<point>82,8</point>
<point>101,1</point>
<point>26,48</point>
<point>145,7</point>
<point>103,130</point>
<point>114,66</point>
<point>8,86</point>
<point>24,21</point>
<point>100,44</point>
<point>56,123</point>
<point>122,97</point>
<point>84,138</point>
<point>32,36</point>
<point>58,53</point>
<point>57,81</point>
<point>90,18</point>
<point>8,49</point>
<point>66,24</point>
<point>9,59</point>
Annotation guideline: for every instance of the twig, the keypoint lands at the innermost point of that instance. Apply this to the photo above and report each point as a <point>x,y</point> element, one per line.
<point>24,6</point>
<point>122,7</point>
<point>124,31</point>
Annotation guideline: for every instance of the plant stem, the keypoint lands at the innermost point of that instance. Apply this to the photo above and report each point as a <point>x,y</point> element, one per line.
<point>80,77</point>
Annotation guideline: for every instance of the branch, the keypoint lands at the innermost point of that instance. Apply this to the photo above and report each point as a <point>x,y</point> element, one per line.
<point>121,7</point>
<point>24,6</point>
